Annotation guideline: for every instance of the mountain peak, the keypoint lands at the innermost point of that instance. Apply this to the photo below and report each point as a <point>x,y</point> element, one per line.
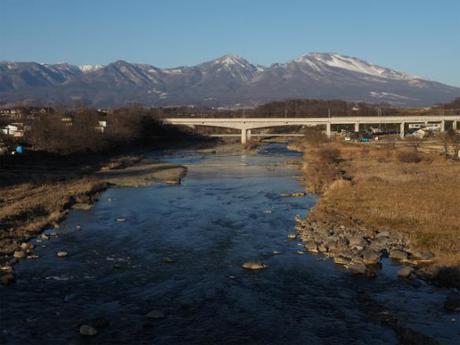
<point>321,61</point>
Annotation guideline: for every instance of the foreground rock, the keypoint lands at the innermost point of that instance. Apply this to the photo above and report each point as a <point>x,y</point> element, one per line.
<point>254,265</point>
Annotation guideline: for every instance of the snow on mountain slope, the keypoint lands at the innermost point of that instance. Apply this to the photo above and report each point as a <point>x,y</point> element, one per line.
<point>319,60</point>
<point>89,68</point>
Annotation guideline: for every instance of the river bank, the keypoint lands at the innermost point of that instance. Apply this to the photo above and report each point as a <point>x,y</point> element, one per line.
<point>27,208</point>
<point>381,201</point>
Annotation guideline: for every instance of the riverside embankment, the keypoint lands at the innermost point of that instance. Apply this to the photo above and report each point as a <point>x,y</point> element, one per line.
<point>171,271</point>
<point>381,201</point>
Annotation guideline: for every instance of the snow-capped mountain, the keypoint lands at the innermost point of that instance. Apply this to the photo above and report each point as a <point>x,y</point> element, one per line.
<point>227,80</point>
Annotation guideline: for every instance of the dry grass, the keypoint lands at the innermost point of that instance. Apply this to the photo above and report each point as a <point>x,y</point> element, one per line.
<point>420,199</point>
<point>26,208</point>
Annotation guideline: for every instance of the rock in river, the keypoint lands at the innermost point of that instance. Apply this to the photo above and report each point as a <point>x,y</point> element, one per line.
<point>7,279</point>
<point>88,331</point>
<point>361,269</point>
<point>406,272</point>
<point>254,265</point>
<point>292,236</point>
<point>62,254</point>
<point>155,314</point>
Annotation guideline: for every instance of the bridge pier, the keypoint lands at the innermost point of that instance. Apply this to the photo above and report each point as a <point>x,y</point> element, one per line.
<point>402,130</point>
<point>248,135</point>
<point>443,126</point>
<point>328,130</point>
<point>244,136</point>
<point>454,125</point>
<point>357,127</point>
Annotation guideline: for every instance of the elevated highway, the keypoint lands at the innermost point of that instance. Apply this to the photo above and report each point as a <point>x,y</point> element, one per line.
<point>245,125</point>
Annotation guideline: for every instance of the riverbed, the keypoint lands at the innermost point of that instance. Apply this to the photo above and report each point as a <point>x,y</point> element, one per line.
<point>178,250</point>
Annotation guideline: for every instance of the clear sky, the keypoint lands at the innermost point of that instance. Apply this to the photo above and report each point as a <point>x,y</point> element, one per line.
<point>416,36</point>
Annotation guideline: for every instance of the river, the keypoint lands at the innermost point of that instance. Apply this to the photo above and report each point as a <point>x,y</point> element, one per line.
<point>180,252</point>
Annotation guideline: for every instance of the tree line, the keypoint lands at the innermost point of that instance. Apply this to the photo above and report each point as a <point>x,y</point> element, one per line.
<point>88,130</point>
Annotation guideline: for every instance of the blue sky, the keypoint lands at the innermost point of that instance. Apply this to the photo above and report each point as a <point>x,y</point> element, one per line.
<point>416,36</point>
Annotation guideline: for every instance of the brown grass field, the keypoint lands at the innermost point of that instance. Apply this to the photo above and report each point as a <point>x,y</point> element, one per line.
<point>420,199</point>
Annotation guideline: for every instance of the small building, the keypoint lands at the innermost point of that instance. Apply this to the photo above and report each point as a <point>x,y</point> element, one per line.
<point>14,129</point>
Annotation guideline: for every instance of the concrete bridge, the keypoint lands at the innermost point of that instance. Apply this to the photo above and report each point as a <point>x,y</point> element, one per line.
<point>247,124</point>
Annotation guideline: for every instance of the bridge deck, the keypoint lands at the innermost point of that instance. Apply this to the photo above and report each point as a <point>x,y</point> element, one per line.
<point>246,124</point>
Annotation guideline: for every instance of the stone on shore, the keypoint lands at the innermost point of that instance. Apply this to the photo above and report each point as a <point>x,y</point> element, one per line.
<point>294,195</point>
<point>82,207</point>
<point>398,254</point>
<point>254,265</point>
<point>370,257</point>
<point>341,260</point>
<point>311,246</point>
<point>19,254</point>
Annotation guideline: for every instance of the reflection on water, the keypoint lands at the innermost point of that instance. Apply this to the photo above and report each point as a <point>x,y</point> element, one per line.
<point>180,252</point>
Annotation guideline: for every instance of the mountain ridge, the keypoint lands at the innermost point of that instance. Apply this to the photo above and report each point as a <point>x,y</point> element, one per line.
<point>229,80</point>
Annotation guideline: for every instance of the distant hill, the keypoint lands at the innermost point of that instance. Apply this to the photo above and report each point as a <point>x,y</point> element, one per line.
<point>226,81</point>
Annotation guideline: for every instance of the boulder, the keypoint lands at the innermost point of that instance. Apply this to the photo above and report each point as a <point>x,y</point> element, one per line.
<point>422,255</point>
<point>292,236</point>
<point>361,270</point>
<point>19,254</point>
<point>62,254</point>
<point>311,246</point>
<point>370,257</point>
<point>398,254</point>
<point>382,234</point>
<point>341,260</point>
<point>254,265</point>
<point>357,242</point>
<point>406,272</point>
<point>322,248</point>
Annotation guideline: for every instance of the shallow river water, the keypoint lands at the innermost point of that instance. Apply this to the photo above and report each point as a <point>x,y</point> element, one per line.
<point>228,210</point>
